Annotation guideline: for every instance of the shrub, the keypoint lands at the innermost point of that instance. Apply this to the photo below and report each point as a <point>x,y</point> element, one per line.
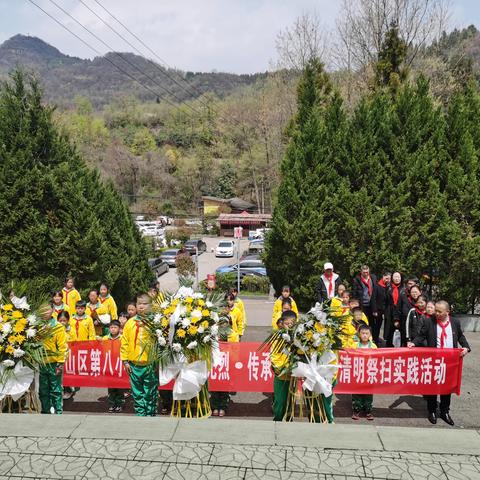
<point>252,283</point>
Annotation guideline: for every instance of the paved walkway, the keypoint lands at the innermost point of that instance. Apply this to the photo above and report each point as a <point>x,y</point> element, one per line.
<point>117,448</point>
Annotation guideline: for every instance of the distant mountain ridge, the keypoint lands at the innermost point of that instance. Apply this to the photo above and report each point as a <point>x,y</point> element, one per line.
<point>63,77</point>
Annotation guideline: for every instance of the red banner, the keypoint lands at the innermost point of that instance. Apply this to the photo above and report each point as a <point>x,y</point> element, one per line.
<point>243,368</point>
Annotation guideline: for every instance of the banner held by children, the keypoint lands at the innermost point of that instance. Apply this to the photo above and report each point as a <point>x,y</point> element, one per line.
<point>244,368</point>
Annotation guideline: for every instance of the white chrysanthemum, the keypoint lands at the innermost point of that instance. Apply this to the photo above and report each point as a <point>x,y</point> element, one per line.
<point>18,352</point>
<point>31,332</point>
<point>200,329</point>
<point>300,328</point>
<point>186,322</point>
<point>157,318</point>
<point>214,329</point>
<point>164,305</point>
<point>8,363</point>
<point>286,337</point>
<point>309,324</point>
<point>197,314</point>
<point>6,328</point>
<point>198,295</point>
<point>161,340</point>
<point>208,304</point>
<point>192,345</point>
<point>206,338</point>
<point>215,316</point>
<point>184,292</point>
<point>176,347</point>
<point>32,319</point>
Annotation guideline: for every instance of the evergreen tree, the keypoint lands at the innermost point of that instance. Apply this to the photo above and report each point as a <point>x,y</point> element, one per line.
<point>57,216</point>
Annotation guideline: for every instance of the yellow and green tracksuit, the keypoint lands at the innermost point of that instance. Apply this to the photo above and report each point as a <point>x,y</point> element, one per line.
<point>281,384</point>
<point>81,328</point>
<point>363,402</point>
<point>116,396</point>
<point>110,305</point>
<point>277,310</point>
<point>99,309</point>
<point>50,389</point>
<point>59,308</point>
<point>70,298</point>
<point>136,349</point>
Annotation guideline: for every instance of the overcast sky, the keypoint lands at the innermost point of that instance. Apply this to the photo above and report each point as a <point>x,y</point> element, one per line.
<point>199,35</point>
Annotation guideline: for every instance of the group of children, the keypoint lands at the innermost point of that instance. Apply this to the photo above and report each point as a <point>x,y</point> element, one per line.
<point>73,319</point>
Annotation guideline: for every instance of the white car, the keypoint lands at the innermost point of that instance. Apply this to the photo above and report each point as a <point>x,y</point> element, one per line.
<point>225,248</point>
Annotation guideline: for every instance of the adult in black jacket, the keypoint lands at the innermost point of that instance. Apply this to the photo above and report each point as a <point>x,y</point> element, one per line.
<point>441,331</point>
<point>364,288</point>
<point>395,310</point>
<point>381,298</point>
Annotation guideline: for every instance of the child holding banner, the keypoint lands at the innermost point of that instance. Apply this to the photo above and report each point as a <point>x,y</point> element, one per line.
<point>116,396</point>
<point>50,390</point>
<point>137,354</point>
<point>364,402</point>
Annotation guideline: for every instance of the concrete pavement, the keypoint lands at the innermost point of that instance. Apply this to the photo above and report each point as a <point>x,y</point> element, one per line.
<point>109,447</point>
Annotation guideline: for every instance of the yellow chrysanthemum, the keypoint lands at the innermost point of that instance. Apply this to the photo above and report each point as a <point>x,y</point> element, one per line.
<point>319,327</point>
<point>189,309</point>
<point>192,330</point>
<point>205,313</point>
<point>165,322</point>
<point>9,350</point>
<point>17,314</point>
<point>309,335</point>
<point>12,338</point>
<point>189,300</point>
<point>8,307</point>
<point>181,333</point>
<point>19,326</point>
<point>19,339</point>
<point>201,303</point>
<point>300,351</point>
<point>194,320</point>
<point>205,324</point>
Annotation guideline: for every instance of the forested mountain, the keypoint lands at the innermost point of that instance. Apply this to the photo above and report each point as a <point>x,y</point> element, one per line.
<point>63,77</point>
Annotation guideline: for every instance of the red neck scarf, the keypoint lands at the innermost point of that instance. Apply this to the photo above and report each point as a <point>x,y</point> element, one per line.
<point>103,300</point>
<point>382,283</point>
<point>330,283</point>
<point>138,325</point>
<point>77,325</point>
<point>443,335</point>
<point>368,283</point>
<point>395,293</point>
<point>420,312</point>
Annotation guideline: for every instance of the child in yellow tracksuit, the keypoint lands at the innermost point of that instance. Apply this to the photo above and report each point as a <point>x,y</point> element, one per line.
<point>70,295</point>
<point>81,325</point>
<point>277,306</point>
<point>279,361</point>
<point>136,353</point>
<point>241,306</point>
<point>58,305</point>
<point>116,396</point>
<point>51,373</point>
<point>220,400</point>
<point>94,310</point>
<point>286,307</point>
<point>107,300</point>
<point>363,402</point>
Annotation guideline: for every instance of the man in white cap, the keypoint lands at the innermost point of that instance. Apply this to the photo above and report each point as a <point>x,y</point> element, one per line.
<point>328,284</point>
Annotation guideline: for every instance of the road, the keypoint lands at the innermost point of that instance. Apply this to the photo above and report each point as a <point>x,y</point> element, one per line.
<point>389,410</point>
<point>207,263</point>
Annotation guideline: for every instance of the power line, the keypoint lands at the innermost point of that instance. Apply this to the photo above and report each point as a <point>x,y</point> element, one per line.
<point>164,72</point>
<point>121,56</point>
<point>146,87</point>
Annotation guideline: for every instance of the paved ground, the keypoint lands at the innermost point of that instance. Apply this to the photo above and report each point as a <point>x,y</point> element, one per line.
<point>82,447</point>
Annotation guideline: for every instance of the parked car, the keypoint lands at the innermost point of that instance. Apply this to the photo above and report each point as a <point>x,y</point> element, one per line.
<point>247,267</point>
<point>191,246</point>
<point>225,248</point>
<point>158,266</point>
<point>256,246</point>
<point>170,256</point>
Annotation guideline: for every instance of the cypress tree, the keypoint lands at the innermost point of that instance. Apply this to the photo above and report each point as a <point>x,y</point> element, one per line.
<point>57,215</point>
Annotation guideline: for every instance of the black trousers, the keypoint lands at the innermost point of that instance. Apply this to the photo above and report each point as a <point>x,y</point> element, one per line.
<point>374,322</point>
<point>432,403</point>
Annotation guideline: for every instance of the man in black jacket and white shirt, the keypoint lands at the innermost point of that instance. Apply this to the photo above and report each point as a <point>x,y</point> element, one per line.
<point>441,331</point>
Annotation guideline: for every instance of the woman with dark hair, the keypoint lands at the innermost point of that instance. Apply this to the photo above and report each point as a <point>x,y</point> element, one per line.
<point>95,309</point>
<point>57,304</point>
<point>415,319</point>
<point>394,314</point>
